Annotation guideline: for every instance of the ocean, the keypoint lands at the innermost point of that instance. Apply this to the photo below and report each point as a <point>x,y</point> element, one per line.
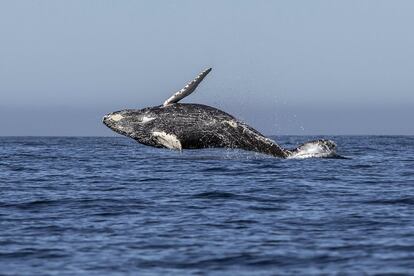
<point>108,205</point>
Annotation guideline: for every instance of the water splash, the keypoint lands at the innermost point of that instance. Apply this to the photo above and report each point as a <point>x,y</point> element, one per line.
<point>315,149</point>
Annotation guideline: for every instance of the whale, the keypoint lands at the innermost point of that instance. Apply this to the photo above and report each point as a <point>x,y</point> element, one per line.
<point>178,126</point>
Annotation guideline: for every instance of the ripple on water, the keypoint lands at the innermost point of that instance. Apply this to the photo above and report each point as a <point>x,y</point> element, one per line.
<point>112,206</point>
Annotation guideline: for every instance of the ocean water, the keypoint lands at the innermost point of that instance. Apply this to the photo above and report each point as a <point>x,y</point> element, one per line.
<point>99,206</point>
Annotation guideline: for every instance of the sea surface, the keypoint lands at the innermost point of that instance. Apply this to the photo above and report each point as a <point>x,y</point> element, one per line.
<point>102,206</point>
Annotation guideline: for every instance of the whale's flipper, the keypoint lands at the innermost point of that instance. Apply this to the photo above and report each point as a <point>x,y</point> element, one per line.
<point>188,89</point>
<point>170,141</point>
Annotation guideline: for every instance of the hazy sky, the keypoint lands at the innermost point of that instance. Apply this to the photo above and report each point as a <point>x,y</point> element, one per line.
<point>285,67</point>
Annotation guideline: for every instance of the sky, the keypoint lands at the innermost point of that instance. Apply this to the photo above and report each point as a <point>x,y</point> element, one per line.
<point>284,67</point>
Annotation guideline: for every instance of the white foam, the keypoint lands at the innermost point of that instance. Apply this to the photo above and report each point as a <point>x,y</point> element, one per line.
<point>312,150</point>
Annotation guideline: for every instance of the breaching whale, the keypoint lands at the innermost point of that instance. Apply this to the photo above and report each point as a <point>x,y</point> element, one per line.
<point>181,126</point>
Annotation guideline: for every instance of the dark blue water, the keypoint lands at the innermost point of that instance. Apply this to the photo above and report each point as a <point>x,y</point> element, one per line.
<point>109,205</point>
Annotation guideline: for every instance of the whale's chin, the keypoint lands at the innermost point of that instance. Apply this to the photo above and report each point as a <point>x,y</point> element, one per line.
<point>314,149</point>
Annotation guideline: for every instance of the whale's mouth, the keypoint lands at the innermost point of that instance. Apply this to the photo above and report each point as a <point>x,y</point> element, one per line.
<point>314,149</point>
<point>107,120</point>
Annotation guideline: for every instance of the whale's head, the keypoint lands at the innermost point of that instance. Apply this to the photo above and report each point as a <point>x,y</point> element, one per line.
<point>136,124</point>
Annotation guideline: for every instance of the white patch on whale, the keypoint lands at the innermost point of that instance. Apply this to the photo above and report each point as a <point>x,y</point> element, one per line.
<point>169,141</point>
<point>116,117</point>
<point>233,124</point>
<point>147,119</point>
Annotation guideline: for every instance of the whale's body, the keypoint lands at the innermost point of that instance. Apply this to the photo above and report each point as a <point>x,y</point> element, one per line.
<point>190,126</point>
<point>193,126</point>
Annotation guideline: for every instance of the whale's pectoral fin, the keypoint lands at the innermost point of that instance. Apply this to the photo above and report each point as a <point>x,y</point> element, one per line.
<point>188,89</point>
<point>170,141</point>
